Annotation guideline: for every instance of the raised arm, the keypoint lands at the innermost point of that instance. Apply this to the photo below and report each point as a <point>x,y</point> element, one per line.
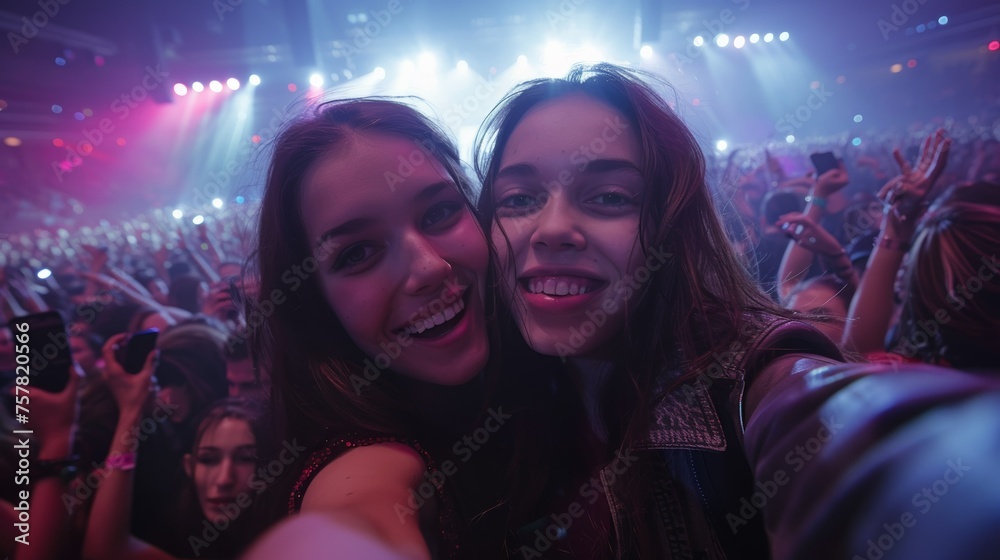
<point>872,308</point>
<point>814,238</point>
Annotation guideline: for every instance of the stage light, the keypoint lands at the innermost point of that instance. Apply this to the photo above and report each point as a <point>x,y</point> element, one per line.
<point>427,61</point>
<point>254,80</point>
<point>348,74</point>
<point>858,118</point>
<point>44,273</point>
<point>462,66</point>
<point>180,89</point>
<point>921,28</point>
<point>522,60</point>
<point>994,46</point>
<point>721,145</point>
<point>177,213</point>
<point>197,87</point>
<point>896,68</point>
<point>912,63</point>
<point>293,88</point>
<point>240,200</point>
<point>215,85</point>
<point>722,39</point>
<point>943,20</point>
<point>60,61</point>
<point>57,109</point>
<point>755,38</point>
<point>739,41</point>
<point>12,141</point>
<point>790,138</point>
<point>699,41</point>
<point>646,52</point>
<point>217,202</point>
<point>784,36</point>
<point>198,220</point>
<point>768,37</point>
<point>79,116</point>
<point>233,84</point>
<point>379,73</point>
<point>856,141</point>
<point>316,80</point>
<point>58,142</point>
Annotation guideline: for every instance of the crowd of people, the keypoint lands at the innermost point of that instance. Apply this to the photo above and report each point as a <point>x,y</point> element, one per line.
<point>639,354</point>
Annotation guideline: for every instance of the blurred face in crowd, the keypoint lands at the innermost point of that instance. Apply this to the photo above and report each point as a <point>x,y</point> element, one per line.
<point>407,265</point>
<point>221,466</point>
<point>824,301</point>
<point>241,380</point>
<point>572,222</point>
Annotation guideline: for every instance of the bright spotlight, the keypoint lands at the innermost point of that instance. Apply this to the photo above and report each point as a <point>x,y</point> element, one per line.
<point>408,67</point>
<point>233,84</point>
<point>699,41</point>
<point>722,39</point>
<point>44,273</point>
<point>254,80</point>
<point>198,220</point>
<point>197,87</point>
<point>646,52</point>
<point>462,66</point>
<point>739,41</point>
<point>180,89</point>
<point>217,202</point>
<point>768,37</point>
<point>721,145</point>
<point>943,20</point>
<point>755,38</point>
<point>522,60</point>
<point>858,118</point>
<point>177,213</point>
<point>790,138</point>
<point>856,141</point>
<point>379,73</point>
<point>783,36</point>
<point>316,80</point>
<point>427,61</point>
<point>215,85</point>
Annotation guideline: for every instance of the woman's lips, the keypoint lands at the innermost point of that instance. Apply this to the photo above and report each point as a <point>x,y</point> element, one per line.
<point>555,294</point>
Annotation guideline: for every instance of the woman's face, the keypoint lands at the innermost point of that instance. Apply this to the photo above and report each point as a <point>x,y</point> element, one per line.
<point>567,198</point>
<point>222,465</point>
<point>407,260</point>
<point>823,300</point>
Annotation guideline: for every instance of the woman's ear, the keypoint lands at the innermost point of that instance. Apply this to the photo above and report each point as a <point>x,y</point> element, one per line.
<point>189,465</point>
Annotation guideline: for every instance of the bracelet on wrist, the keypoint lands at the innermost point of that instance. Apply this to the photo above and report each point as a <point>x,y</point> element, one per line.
<point>64,468</point>
<point>817,201</point>
<point>892,244</point>
<point>120,461</point>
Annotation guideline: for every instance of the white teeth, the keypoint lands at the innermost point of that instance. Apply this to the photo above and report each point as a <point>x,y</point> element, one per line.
<point>556,287</point>
<point>448,314</point>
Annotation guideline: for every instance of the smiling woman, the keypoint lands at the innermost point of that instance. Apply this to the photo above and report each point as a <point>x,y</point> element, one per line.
<point>370,349</point>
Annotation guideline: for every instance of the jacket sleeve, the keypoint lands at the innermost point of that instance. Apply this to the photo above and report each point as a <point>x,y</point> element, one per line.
<point>878,461</point>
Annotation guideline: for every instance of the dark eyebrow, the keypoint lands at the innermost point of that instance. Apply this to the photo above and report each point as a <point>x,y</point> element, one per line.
<point>358,224</point>
<point>517,170</point>
<point>605,165</point>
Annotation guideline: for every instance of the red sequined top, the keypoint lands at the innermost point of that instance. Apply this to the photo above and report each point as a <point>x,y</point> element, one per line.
<point>448,544</point>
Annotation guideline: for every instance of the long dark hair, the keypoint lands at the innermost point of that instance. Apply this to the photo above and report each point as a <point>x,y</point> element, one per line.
<point>319,385</point>
<point>696,304</point>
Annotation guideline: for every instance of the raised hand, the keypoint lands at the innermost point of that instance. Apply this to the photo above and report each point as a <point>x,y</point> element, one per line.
<point>906,193</point>
<point>808,234</point>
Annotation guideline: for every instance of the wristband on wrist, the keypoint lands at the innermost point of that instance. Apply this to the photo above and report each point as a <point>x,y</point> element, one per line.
<point>64,468</point>
<point>817,201</point>
<point>892,244</point>
<point>120,461</point>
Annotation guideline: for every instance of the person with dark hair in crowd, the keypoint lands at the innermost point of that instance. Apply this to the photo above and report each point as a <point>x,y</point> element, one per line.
<point>240,375</point>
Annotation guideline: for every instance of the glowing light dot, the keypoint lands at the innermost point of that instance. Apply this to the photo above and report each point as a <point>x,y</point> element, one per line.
<point>79,116</point>
<point>197,87</point>
<point>699,41</point>
<point>943,20</point>
<point>198,220</point>
<point>60,61</point>
<point>44,273</point>
<point>379,73</point>
<point>768,37</point>
<point>217,202</point>
<point>896,68</point>
<point>57,109</point>
<point>12,141</point>
<point>646,52</point>
<point>696,102</point>
<point>215,85</point>
<point>180,89</point>
<point>856,141</point>
<point>841,79</point>
<point>240,200</point>
<point>233,84</point>
<point>921,28</point>
<point>755,38</point>
<point>784,36</point>
<point>790,138</point>
<point>858,118</point>
<point>462,66</point>
<point>177,214</point>
<point>739,42</point>
<point>721,145</point>
<point>255,139</point>
<point>994,45</point>
<point>254,80</point>
<point>58,142</point>
<point>522,60</point>
<point>316,80</point>
<point>722,40</point>
<point>120,141</point>
<point>293,88</point>
<point>912,63</point>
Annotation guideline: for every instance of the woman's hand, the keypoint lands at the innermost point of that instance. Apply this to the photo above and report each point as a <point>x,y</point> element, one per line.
<point>808,234</point>
<point>53,417</point>
<point>906,194</point>
<point>831,182</point>
<point>132,392</point>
